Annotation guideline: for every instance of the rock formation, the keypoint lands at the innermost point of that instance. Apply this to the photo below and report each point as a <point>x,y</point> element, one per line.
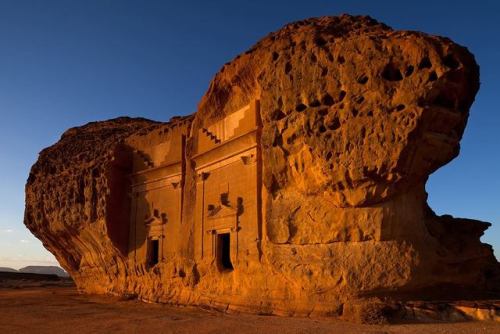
<point>297,188</point>
<point>44,270</point>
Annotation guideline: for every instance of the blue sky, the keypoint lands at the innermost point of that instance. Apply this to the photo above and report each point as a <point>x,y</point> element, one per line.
<point>66,63</point>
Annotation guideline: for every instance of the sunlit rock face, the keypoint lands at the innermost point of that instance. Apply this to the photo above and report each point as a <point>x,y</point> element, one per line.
<point>297,187</point>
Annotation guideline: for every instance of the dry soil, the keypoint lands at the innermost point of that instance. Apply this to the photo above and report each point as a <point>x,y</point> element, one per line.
<point>60,309</point>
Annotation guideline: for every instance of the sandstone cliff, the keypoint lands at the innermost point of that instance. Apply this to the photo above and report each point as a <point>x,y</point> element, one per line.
<point>352,119</point>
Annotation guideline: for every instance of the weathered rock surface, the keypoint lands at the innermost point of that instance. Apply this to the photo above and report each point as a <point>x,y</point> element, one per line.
<point>352,119</point>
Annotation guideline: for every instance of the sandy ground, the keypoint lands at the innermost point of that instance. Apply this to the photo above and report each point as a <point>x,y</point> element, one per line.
<point>51,309</point>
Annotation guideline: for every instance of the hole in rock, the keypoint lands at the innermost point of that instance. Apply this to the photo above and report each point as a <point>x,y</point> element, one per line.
<point>400,107</point>
<point>359,99</point>
<point>300,107</point>
<point>327,100</point>
<point>409,71</point>
<point>391,73</point>
<point>278,114</point>
<point>342,95</point>
<point>275,56</point>
<point>363,79</point>
<point>324,71</point>
<point>224,251</point>
<point>425,63</point>
<point>320,41</point>
<point>341,60</point>
<point>334,124</point>
<point>288,68</point>
<point>313,58</point>
<point>451,62</point>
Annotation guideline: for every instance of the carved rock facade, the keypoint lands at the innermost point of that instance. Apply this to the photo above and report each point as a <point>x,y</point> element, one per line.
<point>297,188</point>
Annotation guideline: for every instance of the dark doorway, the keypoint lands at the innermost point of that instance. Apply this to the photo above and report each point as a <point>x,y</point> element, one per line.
<point>154,252</point>
<point>224,248</point>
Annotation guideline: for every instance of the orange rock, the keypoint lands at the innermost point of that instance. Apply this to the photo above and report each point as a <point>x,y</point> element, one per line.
<point>297,188</point>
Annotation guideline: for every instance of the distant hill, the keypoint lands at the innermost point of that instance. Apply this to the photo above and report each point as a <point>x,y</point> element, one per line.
<point>48,270</point>
<point>7,270</point>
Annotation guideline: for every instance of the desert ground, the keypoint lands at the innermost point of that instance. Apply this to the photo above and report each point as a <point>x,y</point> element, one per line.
<point>59,308</point>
